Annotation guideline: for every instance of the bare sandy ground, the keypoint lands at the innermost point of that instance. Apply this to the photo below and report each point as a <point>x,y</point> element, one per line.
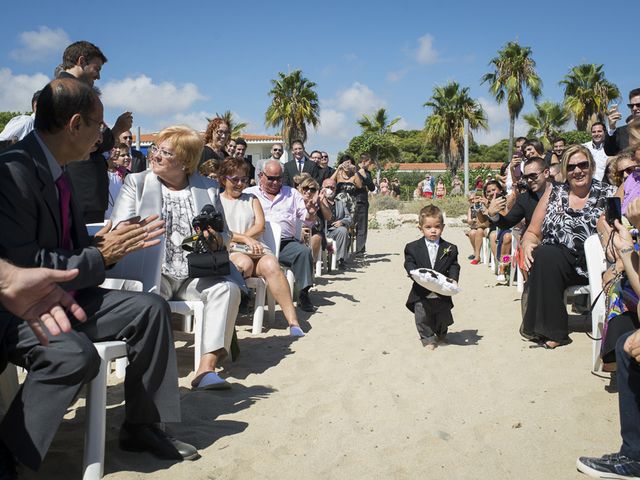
<point>360,398</point>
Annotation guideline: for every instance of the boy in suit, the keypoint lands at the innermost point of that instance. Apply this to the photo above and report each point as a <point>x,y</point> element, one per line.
<point>432,311</point>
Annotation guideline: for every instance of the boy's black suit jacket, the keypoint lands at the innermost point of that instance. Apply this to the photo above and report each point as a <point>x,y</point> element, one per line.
<point>416,255</point>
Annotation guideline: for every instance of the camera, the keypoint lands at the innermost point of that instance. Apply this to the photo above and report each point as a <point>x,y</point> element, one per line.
<point>208,217</point>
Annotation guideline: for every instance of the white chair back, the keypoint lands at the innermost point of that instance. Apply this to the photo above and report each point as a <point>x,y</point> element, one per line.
<point>271,237</point>
<point>596,265</point>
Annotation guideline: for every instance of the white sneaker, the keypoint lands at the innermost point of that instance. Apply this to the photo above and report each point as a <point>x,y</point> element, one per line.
<point>501,279</point>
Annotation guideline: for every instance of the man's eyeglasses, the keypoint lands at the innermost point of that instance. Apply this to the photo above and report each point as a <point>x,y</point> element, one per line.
<point>159,151</point>
<point>582,166</point>
<point>128,138</point>
<point>531,177</point>
<point>632,105</point>
<point>236,179</point>
<point>309,189</point>
<point>325,156</point>
<point>276,149</point>
<point>273,178</point>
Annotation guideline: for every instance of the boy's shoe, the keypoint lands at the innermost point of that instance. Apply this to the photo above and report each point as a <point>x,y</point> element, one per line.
<point>501,279</point>
<point>609,466</point>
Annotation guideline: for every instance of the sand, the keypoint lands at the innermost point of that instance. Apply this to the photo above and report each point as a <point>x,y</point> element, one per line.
<point>360,398</point>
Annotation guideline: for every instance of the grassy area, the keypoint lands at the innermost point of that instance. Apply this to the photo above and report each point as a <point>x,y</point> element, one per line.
<point>452,206</point>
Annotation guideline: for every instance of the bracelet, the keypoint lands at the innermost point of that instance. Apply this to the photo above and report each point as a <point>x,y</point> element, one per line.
<point>626,250</point>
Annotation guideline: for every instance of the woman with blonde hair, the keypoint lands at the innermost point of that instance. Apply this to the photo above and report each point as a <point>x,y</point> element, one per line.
<point>174,190</point>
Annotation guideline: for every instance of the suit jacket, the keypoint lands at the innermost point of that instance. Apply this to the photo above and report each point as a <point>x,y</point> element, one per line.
<point>614,144</point>
<point>30,218</point>
<point>523,208</point>
<point>90,181</point>
<point>342,214</point>
<point>416,255</point>
<point>291,170</point>
<point>138,161</point>
<point>141,194</point>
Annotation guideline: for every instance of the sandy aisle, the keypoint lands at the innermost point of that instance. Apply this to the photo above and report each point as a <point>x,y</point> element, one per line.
<point>359,397</point>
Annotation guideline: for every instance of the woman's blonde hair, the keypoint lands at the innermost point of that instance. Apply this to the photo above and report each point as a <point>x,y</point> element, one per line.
<point>186,143</point>
<point>614,175</point>
<point>570,152</point>
<point>308,182</point>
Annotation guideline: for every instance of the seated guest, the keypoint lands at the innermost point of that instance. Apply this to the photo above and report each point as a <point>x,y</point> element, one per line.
<point>499,238</point>
<point>284,205</point>
<point>42,227</point>
<point>553,246</point>
<point>336,219</point>
<point>172,190</point>
<point>313,236</point>
<point>246,222</point>
<point>138,161</point>
<point>477,227</point>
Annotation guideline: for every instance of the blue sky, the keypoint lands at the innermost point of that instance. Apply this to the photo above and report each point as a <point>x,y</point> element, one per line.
<point>178,62</point>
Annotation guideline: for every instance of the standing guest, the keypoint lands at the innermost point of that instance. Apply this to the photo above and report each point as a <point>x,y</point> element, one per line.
<point>284,205</point>
<point>596,147</point>
<point>21,125</point>
<point>558,146</point>
<point>364,185</point>
<point>298,164</point>
<point>336,220</point>
<point>42,227</point>
<point>118,167</point>
<point>323,165</point>
<point>617,139</point>
<point>456,186</point>
<point>532,148</point>
<point>346,179</point>
<point>246,223</point>
<point>230,148</point>
<point>83,61</point>
<point>432,311</point>
<point>240,152</point>
<point>441,190</point>
<point>172,190</point>
<point>277,149</point>
<point>395,188</point>
<point>426,186</point>
<point>138,160</point>
<point>216,138</point>
<point>553,246</point>
<point>516,165</point>
<point>320,173</point>
<point>383,188</point>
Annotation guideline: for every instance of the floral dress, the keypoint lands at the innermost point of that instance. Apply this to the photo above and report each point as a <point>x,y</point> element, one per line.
<point>570,228</point>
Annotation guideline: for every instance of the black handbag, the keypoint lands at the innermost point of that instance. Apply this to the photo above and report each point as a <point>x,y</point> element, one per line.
<point>202,262</point>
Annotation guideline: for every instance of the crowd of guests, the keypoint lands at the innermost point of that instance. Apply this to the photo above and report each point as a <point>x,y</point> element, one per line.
<point>70,169</point>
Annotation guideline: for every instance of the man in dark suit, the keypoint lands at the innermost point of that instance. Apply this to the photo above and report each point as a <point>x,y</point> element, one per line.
<point>617,139</point>
<point>138,160</point>
<point>536,174</point>
<point>432,311</point>
<point>361,197</point>
<point>43,227</point>
<point>299,164</point>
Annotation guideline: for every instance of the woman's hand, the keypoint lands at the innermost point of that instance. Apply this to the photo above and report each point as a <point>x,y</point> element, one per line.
<point>528,249</point>
<point>633,212</point>
<point>254,245</point>
<point>214,239</point>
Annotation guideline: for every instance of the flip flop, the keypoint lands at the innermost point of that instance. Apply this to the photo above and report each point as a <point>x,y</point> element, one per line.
<point>209,381</point>
<point>296,331</point>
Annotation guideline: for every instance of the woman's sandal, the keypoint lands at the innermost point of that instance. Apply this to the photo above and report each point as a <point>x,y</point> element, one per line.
<point>550,344</point>
<point>209,381</point>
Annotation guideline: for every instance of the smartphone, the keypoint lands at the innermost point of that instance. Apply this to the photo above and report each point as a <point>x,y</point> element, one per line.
<point>612,211</point>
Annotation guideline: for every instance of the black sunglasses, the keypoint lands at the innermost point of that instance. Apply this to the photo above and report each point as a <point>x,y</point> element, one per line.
<point>309,189</point>
<point>273,178</point>
<point>629,170</point>
<point>531,177</point>
<point>582,166</point>
<point>631,105</point>
<point>276,149</point>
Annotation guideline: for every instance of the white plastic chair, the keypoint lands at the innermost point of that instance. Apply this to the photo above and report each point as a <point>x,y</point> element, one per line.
<point>596,265</point>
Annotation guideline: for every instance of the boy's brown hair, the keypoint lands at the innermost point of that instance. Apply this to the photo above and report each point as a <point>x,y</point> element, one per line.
<point>430,211</point>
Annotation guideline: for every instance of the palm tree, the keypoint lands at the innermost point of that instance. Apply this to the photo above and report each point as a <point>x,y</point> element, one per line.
<point>514,69</point>
<point>587,94</point>
<point>294,105</point>
<point>235,128</point>
<point>547,122</point>
<point>377,123</point>
<point>451,105</point>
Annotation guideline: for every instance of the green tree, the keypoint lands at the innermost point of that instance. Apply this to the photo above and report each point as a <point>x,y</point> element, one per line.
<point>513,71</point>
<point>547,121</point>
<point>235,127</point>
<point>413,149</point>
<point>377,123</point>
<point>294,104</point>
<point>6,116</point>
<point>587,94</point>
<point>381,147</point>
<point>451,105</point>
<point>576,136</point>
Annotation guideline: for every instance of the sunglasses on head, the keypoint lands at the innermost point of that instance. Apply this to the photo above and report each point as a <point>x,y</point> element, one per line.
<point>582,166</point>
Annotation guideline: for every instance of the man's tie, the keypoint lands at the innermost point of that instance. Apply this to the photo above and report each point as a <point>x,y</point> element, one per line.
<point>64,198</point>
<point>300,165</point>
<point>433,253</point>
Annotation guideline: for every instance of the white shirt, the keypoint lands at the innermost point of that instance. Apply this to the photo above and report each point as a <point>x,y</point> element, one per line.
<point>432,248</point>
<point>18,127</point>
<point>599,157</point>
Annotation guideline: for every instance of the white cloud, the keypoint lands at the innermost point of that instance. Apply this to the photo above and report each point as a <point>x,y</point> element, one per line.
<point>397,75</point>
<point>358,99</point>
<point>426,54</point>
<point>141,96</point>
<point>332,123</point>
<point>195,120</point>
<point>40,44</point>
<point>16,90</point>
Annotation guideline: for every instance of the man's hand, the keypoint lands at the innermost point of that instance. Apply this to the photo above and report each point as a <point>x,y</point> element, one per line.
<point>496,205</point>
<point>128,237</point>
<point>632,345</point>
<point>123,124</point>
<point>613,116</point>
<point>32,294</point>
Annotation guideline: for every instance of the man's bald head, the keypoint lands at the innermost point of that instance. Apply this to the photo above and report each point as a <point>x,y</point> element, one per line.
<point>60,100</point>
<point>273,168</point>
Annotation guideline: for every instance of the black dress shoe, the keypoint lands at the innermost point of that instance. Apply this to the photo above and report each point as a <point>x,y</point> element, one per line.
<point>304,304</point>
<point>149,438</point>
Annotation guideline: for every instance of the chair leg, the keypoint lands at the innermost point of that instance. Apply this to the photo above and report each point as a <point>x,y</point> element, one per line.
<point>319,267</point>
<point>121,367</point>
<point>95,424</point>
<point>258,307</point>
<point>198,317</point>
<point>291,280</point>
